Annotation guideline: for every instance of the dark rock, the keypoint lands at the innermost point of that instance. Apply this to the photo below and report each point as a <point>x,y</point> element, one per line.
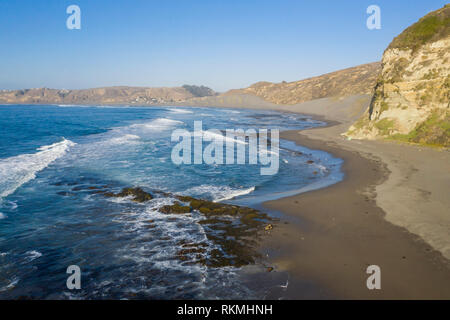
<point>235,238</point>
<point>138,194</point>
<point>233,230</point>
<point>213,208</point>
<point>175,208</point>
<point>249,218</point>
<point>185,198</point>
<point>205,210</point>
<point>214,221</point>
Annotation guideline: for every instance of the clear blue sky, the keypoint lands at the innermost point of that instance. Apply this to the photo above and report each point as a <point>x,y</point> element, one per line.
<point>222,44</point>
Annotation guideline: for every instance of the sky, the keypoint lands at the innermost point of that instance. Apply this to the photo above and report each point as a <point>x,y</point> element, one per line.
<point>222,44</point>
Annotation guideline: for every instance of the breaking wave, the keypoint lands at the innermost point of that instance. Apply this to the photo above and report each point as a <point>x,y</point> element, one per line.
<point>218,194</point>
<point>15,171</point>
<point>125,139</point>
<point>157,124</point>
<point>179,110</point>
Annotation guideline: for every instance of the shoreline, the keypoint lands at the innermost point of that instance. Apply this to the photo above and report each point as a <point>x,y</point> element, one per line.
<point>337,239</point>
<point>374,216</point>
<point>368,218</point>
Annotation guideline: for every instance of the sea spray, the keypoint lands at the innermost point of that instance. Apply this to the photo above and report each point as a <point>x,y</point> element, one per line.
<point>15,171</point>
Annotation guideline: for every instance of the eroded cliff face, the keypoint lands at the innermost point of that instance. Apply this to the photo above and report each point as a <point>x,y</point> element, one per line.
<point>412,94</point>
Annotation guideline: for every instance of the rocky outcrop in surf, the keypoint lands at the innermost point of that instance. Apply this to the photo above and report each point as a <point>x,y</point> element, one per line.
<point>136,194</point>
<point>232,231</point>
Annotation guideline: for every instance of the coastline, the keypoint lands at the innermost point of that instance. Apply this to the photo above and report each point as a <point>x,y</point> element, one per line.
<point>336,239</point>
<point>390,210</point>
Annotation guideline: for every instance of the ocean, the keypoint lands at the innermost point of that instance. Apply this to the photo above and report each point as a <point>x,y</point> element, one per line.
<point>56,162</point>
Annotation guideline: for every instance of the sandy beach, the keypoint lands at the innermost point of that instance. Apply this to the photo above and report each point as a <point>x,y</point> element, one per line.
<point>391,210</point>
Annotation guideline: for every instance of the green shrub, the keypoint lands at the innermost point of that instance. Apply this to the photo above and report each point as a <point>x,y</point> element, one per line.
<point>385,125</point>
<point>435,131</point>
<point>432,27</point>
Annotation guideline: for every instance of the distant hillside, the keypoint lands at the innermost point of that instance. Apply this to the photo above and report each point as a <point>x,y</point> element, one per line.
<point>347,82</point>
<point>103,96</point>
<point>412,96</point>
<point>199,91</point>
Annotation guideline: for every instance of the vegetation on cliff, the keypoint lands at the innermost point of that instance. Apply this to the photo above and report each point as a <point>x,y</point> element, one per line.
<point>411,102</point>
<point>432,27</point>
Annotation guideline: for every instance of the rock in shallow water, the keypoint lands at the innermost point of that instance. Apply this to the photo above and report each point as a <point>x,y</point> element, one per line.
<point>138,194</point>
<point>175,208</point>
<point>232,230</point>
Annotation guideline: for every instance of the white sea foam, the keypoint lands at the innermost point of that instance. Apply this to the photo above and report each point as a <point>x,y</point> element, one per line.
<point>218,193</point>
<point>267,151</point>
<point>2,216</point>
<point>320,167</point>
<point>15,171</point>
<point>13,282</point>
<point>32,255</point>
<point>120,199</point>
<point>156,252</point>
<point>157,124</point>
<point>179,110</point>
<point>11,204</point>
<point>231,194</point>
<point>212,136</point>
<point>125,139</point>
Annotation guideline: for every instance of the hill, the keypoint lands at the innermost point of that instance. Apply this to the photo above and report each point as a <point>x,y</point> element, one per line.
<point>103,96</point>
<point>347,82</point>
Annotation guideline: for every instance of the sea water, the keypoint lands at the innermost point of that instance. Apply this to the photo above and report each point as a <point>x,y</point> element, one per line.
<point>53,158</point>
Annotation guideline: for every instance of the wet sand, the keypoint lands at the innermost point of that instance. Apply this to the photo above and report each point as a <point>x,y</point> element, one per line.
<point>392,210</point>
<point>340,231</point>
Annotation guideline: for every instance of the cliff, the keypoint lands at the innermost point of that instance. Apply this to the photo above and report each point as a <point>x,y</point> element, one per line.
<point>412,95</point>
